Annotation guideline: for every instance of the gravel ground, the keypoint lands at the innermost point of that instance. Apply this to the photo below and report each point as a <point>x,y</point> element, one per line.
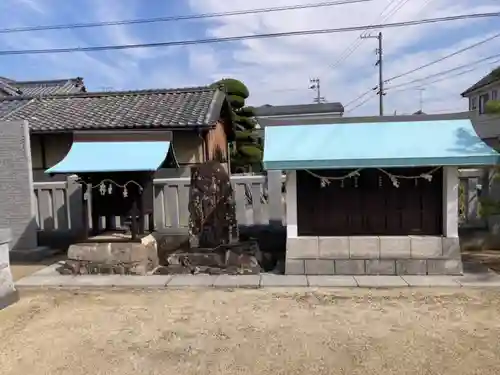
<point>431,331</point>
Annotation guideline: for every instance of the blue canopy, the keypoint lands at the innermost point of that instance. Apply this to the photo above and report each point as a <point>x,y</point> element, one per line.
<point>375,144</point>
<point>88,157</point>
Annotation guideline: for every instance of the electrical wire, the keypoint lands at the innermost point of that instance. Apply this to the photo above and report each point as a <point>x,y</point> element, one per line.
<point>362,103</point>
<point>358,41</point>
<point>247,37</point>
<point>180,17</point>
<point>444,72</point>
<point>443,58</point>
<point>360,97</point>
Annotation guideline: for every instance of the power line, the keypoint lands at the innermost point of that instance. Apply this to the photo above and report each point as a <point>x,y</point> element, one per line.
<point>360,96</point>
<point>445,78</point>
<point>180,17</point>
<point>444,72</point>
<point>357,42</point>
<point>247,37</point>
<point>443,58</point>
<point>362,103</point>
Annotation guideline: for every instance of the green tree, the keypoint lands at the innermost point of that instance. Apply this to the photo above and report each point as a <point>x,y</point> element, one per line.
<point>493,107</point>
<point>246,150</point>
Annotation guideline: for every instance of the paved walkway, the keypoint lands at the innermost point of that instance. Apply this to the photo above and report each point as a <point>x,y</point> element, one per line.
<point>48,277</point>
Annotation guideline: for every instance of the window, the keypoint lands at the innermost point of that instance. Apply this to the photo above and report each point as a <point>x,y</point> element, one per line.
<point>473,103</point>
<point>494,95</point>
<point>483,99</point>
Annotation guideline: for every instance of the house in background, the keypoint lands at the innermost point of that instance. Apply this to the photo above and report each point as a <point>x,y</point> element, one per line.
<point>479,94</point>
<point>19,90</point>
<point>486,89</point>
<point>12,88</point>
<point>199,119</point>
<point>299,111</point>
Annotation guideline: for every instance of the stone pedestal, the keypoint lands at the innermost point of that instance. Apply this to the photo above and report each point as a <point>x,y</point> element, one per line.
<point>8,292</point>
<point>131,258</point>
<point>374,255</point>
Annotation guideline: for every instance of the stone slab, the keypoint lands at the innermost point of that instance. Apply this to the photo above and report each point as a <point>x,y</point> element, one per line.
<point>139,281</point>
<point>283,281</point>
<point>444,267</point>
<point>295,267</point>
<point>45,281</point>
<point>364,247</point>
<point>431,281</point>
<point>350,267</point>
<point>426,247</point>
<point>237,281</point>
<point>395,247</point>
<point>302,248</point>
<point>333,247</point>
<point>411,267</point>
<point>194,281</point>
<point>332,281</point>
<point>319,267</point>
<point>380,281</point>
<point>380,267</point>
<point>49,270</point>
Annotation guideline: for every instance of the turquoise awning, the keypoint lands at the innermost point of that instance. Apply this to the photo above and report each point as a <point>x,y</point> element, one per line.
<point>368,145</point>
<point>113,156</point>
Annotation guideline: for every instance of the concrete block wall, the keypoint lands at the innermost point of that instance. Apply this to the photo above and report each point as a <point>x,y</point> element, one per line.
<point>373,255</point>
<point>17,210</point>
<point>6,281</point>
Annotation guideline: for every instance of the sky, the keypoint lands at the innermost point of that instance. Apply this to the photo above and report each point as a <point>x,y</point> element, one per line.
<point>277,71</point>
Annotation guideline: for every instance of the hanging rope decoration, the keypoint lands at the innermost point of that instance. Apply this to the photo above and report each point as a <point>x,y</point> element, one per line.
<point>103,188</point>
<point>325,181</point>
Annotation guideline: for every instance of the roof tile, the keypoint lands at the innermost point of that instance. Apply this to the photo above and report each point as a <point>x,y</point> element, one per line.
<point>187,107</point>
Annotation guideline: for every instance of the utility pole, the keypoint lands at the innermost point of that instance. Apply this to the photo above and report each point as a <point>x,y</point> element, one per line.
<point>379,52</point>
<point>421,98</point>
<point>315,84</point>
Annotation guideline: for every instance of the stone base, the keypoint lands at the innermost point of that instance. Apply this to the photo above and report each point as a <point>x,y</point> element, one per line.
<point>132,258</point>
<point>240,258</point>
<point>31,255</point>
<point>372,255</point>
<point>9,299</point>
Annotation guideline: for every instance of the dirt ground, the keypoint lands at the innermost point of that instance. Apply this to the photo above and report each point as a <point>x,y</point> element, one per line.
<point>431,331</point>
<point>489,258</point>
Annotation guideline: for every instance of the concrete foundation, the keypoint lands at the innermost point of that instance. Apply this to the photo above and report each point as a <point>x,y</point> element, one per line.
<point>373,255</point>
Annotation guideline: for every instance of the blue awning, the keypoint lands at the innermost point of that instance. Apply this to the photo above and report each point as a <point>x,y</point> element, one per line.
<point>368,145</point>
<point>112,156</point>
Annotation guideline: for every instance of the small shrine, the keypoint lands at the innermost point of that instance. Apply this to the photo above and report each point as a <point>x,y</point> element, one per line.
<point>116,171</point>
<point>374,196</point>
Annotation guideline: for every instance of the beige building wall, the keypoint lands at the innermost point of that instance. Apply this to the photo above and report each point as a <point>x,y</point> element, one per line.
<point>187,145</point>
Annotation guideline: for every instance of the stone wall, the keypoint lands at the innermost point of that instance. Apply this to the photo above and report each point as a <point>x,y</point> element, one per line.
<point>17,209</point>
<point>372,255</point>
<point>7,289</point>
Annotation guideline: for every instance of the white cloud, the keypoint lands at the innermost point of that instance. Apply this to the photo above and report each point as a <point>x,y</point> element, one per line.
<point>277,71</point>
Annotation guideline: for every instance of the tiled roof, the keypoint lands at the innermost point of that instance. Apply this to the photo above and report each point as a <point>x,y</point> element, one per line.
<point>494,76</point>
<point>47,87</point>
<point>187,107</point>
<point>19,89</point>
<point>299,109</point>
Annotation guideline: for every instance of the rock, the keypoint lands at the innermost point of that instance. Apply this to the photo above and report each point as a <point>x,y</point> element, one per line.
<point>212,210</point>
<point>114,257</point>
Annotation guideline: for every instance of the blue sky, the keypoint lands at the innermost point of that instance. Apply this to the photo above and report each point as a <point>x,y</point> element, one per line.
<point>277,71</point>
